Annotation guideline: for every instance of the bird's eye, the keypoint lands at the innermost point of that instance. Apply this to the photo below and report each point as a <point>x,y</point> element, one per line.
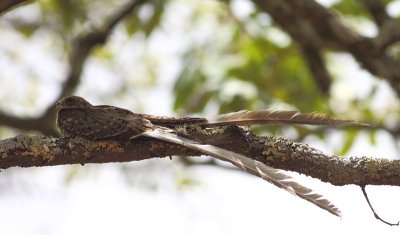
<point>69,101</point>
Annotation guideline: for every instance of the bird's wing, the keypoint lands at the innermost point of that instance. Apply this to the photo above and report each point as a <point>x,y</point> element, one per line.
<point>269,116</point>
<point>173,121</point>
<point>252,166</point>
<point>156,119</point>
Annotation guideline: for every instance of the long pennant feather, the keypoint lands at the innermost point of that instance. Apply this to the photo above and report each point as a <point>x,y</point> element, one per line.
<point>252,166</point>
<point>269,116</point>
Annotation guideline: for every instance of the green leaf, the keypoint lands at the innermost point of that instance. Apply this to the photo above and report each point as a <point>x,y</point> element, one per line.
<point>132,24</point>
<point>184,182</point>
<point>155,19</point>
<point>348,141</point>
<point>372,137</point>
<point>353,8</point>
<point>189,82</point>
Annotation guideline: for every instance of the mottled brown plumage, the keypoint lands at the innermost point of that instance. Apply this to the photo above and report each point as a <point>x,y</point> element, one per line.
<point>77,117</point>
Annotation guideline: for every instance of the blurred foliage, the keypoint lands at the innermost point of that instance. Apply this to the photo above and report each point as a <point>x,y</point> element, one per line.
<point>146,19</point>
<point>234,57</point>
<point>353,8</point>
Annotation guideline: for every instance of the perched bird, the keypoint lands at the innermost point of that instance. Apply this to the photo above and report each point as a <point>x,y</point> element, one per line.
<point>77,109</point>
<point>77,117</point>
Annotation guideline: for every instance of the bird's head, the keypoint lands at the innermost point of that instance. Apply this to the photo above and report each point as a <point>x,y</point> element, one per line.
<point>72,102</point>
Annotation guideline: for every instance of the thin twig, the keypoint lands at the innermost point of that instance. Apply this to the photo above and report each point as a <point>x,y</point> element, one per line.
<point>372,209</point>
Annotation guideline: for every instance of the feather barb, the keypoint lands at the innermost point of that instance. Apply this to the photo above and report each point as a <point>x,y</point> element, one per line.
<point>269,116</point>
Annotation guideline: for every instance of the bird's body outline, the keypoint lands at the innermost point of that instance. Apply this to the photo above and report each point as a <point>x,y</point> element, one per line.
<point>240,118</point>
<point>77,117</point>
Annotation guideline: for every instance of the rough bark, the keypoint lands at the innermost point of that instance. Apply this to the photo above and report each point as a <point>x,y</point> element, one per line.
<point>28,151</point>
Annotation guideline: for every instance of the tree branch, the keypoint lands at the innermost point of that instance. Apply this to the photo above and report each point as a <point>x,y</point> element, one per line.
<point>388,34</point>
<point>81,48</point>
<point>388,27</point>
<point>7,5</point>
<point>317,67</point>
<point>362,48</point>
<point>38,124</point>
<point>377,9</point>
<point>303,34</point>
<point>25,151</point>
<point>323,29</point>
<point>84,44</point>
